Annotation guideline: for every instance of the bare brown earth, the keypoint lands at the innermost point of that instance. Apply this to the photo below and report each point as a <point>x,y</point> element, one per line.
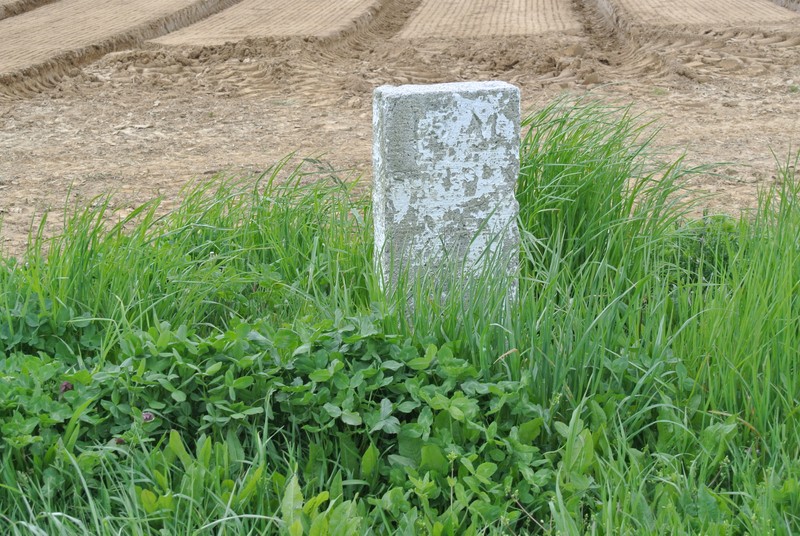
<point>278,18</point>
<point>139,98</point>
<point>487,18</point>
<point>694,13</point>
<point>9,8</point>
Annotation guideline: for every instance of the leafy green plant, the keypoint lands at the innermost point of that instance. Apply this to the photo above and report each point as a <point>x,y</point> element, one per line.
<point>233,366</point>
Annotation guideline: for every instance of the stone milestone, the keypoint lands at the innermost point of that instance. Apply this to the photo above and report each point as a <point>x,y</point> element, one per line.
<point>445,160</point>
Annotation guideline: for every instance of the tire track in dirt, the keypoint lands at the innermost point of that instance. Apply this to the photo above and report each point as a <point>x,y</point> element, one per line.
<point>11,8</point>
<point>625,55</point>
<point>602,55</point>
<point>513,40</point>
<point>41,46</point>
<point>326,68</point>
<point>341,67</point>
<point>343,71</point>
<point>348,67</point>
<point>699,39</point>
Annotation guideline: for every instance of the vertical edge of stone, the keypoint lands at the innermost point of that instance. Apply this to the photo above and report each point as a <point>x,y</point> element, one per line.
<point>379,180</point>
<point>513,256</point>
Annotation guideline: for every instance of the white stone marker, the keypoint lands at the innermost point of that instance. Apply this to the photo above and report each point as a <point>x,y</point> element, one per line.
<point>445,160</point>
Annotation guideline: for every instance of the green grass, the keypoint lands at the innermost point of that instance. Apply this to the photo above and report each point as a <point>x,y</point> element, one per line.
<point>233,366</point>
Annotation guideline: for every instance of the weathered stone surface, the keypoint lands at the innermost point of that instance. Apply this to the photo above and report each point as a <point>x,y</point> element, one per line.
<point>445,160</point>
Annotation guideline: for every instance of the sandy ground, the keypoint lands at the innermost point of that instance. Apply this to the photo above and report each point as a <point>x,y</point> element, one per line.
<point>693,13</point>
<point>69,32</point>
<point>487,18</point>
<point>144,96</point>
<point>278,18</point>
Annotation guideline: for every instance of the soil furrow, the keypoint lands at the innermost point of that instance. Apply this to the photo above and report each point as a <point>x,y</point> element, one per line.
<point>41,46</point>
<point>274,19</point>
<point>699,39</point>
<point>11,8</point>
<point>794,5</point>
<point>488,18</point>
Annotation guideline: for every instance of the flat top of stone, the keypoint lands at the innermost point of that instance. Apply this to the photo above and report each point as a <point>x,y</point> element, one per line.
<point>449,87</point>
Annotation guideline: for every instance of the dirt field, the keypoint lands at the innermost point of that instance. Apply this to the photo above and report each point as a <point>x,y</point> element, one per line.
<point>139,98</point>
<point>279,18</point>
<point>694,13</point>
<point>487,18</point>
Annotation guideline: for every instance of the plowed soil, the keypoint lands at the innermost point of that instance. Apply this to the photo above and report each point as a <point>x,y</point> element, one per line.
<point>9,8</point>
<point>274,18</point>
<point>690,13</point>
<point>139,98</point>
<point>45,42</point>
<point>486,18</point>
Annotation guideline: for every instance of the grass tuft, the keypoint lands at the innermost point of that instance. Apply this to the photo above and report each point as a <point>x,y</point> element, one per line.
<point>234,366</point>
